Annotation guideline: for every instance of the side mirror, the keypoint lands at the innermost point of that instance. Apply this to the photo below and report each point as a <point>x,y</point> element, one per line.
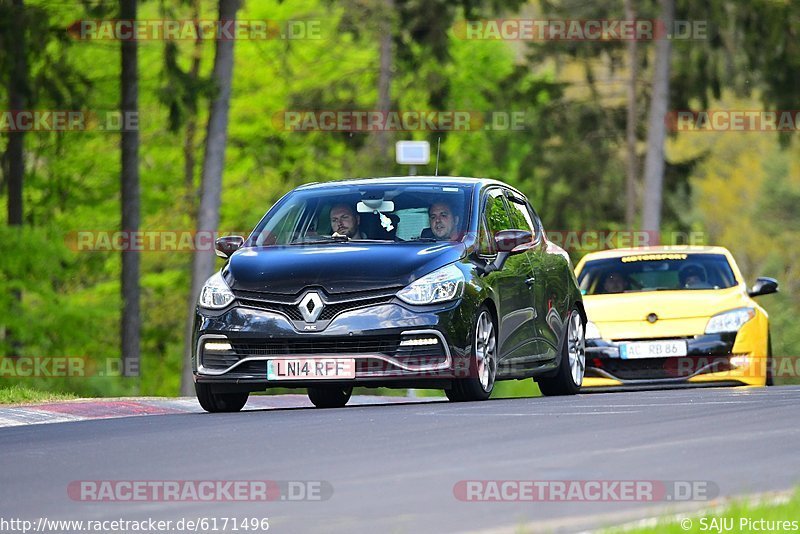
<point>507,242</point>
<point>763,286</point>
<point>225,246</point>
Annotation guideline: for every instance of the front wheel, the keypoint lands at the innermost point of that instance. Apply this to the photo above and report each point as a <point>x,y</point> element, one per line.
<point>329,396</point>
<point>483,362</point>
<point>214,402</point>
<point>569,377</point>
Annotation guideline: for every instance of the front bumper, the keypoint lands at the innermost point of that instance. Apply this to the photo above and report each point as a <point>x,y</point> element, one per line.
<point>711,359</point>
<point>381,337</point>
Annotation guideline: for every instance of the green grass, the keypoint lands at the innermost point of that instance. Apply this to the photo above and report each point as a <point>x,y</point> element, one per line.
<point>25,395</point>
<point>773,514</point>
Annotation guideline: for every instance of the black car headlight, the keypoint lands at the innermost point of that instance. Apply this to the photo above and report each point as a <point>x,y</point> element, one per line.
<point>441,285</point>
<point>215,293</point>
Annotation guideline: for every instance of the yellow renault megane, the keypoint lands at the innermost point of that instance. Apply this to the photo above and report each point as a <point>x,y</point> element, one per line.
<point>662,316</point>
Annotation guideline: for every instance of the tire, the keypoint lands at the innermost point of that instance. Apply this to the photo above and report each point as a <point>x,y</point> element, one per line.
<point>483,362</point>
<point>329,396</point>
<point>770,381</point>
<point>219,402</point>
<point>569,377</point>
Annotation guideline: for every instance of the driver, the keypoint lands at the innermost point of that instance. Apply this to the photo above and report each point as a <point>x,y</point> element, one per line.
<point>615,282</point>
<point>345,221</point>
<point>692,276</point>
<point>444,225</point>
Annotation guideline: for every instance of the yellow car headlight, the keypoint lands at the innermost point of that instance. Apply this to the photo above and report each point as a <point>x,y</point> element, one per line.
<point>729,321</point>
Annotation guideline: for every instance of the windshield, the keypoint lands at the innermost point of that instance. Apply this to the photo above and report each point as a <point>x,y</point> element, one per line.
<point>390,213</point>
<point>656,272</point>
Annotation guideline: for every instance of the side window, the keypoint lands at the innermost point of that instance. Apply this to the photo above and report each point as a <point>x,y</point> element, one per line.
<point>520,218</point>
<point>496,217</point>
<point>537,222</point>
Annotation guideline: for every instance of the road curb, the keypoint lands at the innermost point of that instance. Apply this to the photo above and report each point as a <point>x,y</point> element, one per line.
<point>89,409</point>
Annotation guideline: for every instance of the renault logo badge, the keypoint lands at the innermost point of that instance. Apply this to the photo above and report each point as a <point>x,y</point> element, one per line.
<point>311,306</point>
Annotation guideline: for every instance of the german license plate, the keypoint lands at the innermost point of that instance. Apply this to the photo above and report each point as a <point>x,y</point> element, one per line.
<point>652,349</point>
<point>311,368</point>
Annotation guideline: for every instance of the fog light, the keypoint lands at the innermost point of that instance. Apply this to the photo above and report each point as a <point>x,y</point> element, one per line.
<point>217,345</point>
<point>419,342</point>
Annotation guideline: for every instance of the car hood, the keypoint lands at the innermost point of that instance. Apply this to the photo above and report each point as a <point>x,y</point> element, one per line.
<point>685,304</point>
<point>336,267</point>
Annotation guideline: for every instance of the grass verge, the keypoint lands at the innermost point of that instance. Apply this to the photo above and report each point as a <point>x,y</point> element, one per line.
<point>779,514</point>
<point>25,395</point>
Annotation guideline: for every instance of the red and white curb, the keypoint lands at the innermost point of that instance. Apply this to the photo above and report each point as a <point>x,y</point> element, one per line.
<point>87,409</point>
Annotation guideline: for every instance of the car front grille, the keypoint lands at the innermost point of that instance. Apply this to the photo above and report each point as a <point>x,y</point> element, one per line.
<point>333,305</point>
<point>656,368</point>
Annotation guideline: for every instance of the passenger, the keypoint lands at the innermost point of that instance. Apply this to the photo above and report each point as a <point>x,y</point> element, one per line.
<point>345,221</point>
<point>615,282</point>
<point>444,225</point>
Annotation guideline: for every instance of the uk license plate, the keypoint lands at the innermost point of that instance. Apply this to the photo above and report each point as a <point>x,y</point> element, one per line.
<point>311,368</point>
<point>652,349</point>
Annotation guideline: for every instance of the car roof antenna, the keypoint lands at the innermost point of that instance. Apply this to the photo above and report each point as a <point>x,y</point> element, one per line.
<point>438,147</point>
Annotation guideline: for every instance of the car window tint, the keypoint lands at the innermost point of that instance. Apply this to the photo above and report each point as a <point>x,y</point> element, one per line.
<point>535,221</point>
<point>496,214</point>
<point>656,272</point>
<point>411,222</point>
<point>304,216</point>
<point>283,226</point>
<point>520,218</point>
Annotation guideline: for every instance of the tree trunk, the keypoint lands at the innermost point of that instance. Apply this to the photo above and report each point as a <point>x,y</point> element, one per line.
<point>131,320</point>
<point>191,121</point>
<point>385,75</point>
<point>656,130</point>
<point>18,92</point>
<point>630,127</point>
<point>211,186</point>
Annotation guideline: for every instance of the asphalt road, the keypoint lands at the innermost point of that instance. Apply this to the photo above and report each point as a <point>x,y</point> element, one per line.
<point>393,468</point>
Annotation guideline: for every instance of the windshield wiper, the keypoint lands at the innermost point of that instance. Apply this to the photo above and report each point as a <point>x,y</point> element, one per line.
<point>320,239</point>
<point>650,289</point>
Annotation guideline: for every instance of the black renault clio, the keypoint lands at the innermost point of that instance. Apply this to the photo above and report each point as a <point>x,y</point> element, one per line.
<point>415,282</point>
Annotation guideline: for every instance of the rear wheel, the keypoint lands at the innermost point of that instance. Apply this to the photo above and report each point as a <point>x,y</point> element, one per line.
<point>569,377</point>
<point>483,362</point>
<point>329,396</point>
<point>214,402</point>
